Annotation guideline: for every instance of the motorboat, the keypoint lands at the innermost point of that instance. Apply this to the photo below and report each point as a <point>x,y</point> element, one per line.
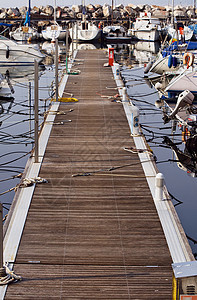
<point>13,53</point>
<point>85,31</point>
<point>146,28</point>
<point>186,80</point>
<point>115,33</point>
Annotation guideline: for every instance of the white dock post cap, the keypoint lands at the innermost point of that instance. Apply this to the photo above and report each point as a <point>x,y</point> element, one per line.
<point>134,120</point>
<point>124,95</point>
<point>116,70</point>
<point>159,184</point>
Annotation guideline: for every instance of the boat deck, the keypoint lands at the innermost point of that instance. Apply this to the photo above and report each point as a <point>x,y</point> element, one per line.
<point>96,235</point>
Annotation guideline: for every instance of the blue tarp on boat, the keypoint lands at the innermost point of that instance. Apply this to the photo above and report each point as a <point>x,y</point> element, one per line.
<point>193,28</point>
<point>191,45</point>
<point>5,24</point>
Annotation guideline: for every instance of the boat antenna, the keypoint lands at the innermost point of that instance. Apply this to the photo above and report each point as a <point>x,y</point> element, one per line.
<point>54,11</point>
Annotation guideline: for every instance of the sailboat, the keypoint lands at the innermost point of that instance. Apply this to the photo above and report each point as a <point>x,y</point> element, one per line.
<point>84,31</point>
<point>25,32</point>
<point>178,31</point>
<point>54,31</point>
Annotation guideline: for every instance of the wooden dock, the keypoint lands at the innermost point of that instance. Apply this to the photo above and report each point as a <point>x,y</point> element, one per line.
<point>97,235</point>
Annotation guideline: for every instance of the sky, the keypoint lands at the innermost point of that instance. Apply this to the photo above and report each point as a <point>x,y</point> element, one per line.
<point>19,3</point>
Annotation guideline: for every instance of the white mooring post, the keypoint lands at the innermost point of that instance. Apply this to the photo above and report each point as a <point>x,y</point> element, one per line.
<point>159,184</point>
<point>135,131</point>
<point>124,94</point>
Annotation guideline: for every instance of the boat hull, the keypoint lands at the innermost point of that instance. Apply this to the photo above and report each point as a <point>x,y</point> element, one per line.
<point>15,55</point>
<point>186,81</point>
<point>161,66</point>
<point>77,33</point>
<point>147,35</point>
<point>53,32</point>
<point>24,35</point>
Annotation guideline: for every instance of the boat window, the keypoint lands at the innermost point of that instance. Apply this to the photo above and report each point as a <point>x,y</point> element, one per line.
<point>3,38</point>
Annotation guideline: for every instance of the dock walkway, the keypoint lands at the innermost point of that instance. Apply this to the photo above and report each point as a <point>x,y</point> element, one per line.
<point>97,235</point>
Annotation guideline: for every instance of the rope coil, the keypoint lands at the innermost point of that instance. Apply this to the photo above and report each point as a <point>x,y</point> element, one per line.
<point>9,277</point>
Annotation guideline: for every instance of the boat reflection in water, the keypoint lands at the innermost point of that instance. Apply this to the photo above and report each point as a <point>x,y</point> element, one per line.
<point>5,105</point>
<point>147,46</point>
<point>23,72</point>
<point>49,47</point>
<point>187,160</point>
<point>6,90</point>
<point>144,51</point>
<point>10,76</point>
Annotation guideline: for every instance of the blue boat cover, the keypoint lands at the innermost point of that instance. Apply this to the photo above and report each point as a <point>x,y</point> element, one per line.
<point>4,24</point>
<point>191,45</point>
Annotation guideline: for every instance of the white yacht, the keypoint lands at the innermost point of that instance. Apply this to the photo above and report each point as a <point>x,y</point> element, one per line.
<point>146,28</point>
<point>13,53</point>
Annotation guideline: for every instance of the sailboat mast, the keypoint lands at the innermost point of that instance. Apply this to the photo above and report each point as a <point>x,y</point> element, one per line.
<point>54,11</point>
<point>28,14</point>
<point>83,11</point>
<point>172,20</point>
<point>112,9</point>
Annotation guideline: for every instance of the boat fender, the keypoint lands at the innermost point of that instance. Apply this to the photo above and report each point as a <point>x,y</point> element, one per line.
<point>158,85</point>
<point>170,61</point>
<point>164,53</point>
<point>174,61</point>
<point>185,134</point>
<point>148,66</point>
<point>7,53</point>
<point>188,59</point>
<point>1,109</point>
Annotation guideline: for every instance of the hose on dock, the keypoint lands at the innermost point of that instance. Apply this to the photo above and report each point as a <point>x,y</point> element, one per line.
<point>74,72</point>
